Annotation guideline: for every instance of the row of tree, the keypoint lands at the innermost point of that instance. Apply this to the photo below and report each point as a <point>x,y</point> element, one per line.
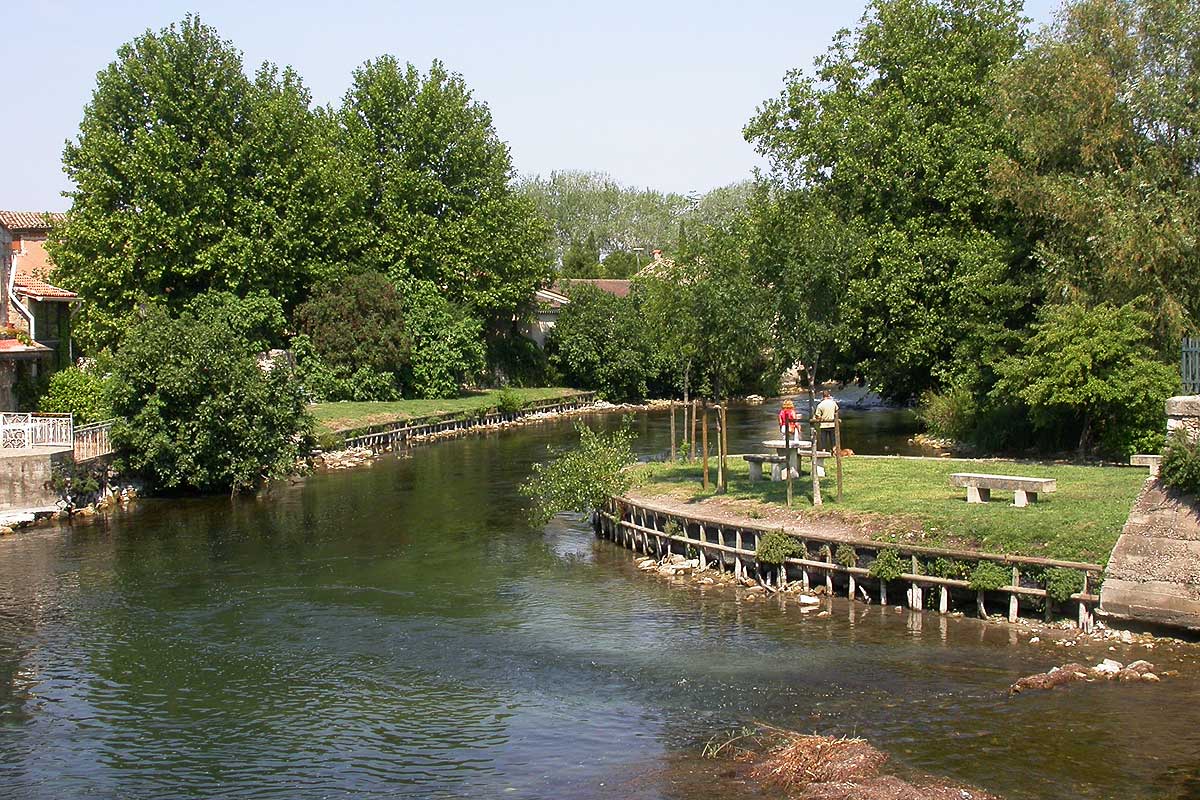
<point>1003,227</point>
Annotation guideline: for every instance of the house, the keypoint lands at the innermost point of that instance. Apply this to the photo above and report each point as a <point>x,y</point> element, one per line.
<point>550,302</point>
<point>35,315</point>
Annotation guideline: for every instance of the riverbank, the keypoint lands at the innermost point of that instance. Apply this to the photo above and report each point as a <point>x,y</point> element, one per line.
<point>910,501</point>
<point>346,416</point>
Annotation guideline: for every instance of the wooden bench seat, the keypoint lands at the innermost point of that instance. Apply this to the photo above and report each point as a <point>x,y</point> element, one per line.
<point>1025,490</point>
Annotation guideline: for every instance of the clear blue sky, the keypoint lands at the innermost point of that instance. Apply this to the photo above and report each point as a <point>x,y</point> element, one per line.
<point>655,93</point>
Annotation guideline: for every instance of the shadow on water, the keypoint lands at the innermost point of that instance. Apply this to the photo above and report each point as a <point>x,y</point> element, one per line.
<point>403,632</point>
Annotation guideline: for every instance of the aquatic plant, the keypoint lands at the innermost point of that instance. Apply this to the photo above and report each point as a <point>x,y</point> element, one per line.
<point>887,566</point>
<point>775,546</point>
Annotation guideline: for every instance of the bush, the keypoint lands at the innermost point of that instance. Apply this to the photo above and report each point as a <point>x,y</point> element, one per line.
<point>197,412</point>
<point>988,576</point>
<point>776,546</point>
<point>447,345</point>
<point>600,343</point>
<point>1181,464</point>
<point>949,415</point>
<point>584,477</point>
<point>78,392</point>
<point>846,556</point>
<point>509,400</point>
<point>1062,583</point>
<point>887,566</point>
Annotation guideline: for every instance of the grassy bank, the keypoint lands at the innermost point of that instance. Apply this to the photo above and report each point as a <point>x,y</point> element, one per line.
<point>346,416</point>
<point>892,499</point>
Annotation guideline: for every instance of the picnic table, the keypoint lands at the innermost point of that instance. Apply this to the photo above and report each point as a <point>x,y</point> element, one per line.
<point>799,448</point>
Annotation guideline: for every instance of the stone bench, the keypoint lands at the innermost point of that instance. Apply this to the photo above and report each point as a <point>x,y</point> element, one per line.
<point>756,462</point>
<point>1025,490</point>
<point>1151,461</point>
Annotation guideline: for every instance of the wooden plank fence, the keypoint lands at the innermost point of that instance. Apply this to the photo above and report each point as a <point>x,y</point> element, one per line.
<point>733,547</point>
<point>390,434</point>
<point>1190,365</point>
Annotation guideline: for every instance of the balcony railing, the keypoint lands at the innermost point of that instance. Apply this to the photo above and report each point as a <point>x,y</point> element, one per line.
<point>22,431</point>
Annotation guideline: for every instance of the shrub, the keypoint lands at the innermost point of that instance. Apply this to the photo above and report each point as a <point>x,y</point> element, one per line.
<point>600,342</point>
<point>197,412</point>
<point>948,415</point>
<point>887,566</point>
<point>447,345</point>
<point>1181,464</point>
<point>581,478</point>
<point>78,392</point>
<point>948,568</point>
<point>988,576</point>
<point>1062,583</point>
<point>509,400</point>
<point>776,546</point>
<point>846,556</point>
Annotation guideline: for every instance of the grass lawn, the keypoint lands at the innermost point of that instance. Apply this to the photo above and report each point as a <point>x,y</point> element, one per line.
<point>893,499</point>
<point>347,416</point>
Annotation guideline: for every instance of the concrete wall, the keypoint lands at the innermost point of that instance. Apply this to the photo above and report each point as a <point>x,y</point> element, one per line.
<point>24,479</point>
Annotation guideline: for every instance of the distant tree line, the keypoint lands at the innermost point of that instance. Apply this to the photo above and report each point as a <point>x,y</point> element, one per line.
<point>1000,227</point>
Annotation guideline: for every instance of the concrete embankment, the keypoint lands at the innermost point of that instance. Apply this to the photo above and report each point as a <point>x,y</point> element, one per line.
<point>1154,572</point>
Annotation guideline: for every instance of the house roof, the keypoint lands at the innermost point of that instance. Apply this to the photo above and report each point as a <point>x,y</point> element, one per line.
<point>616,287</point>
<point>12,348</point>
<point>38,289</point>
<point>551,298</point>
<point>29,220</point>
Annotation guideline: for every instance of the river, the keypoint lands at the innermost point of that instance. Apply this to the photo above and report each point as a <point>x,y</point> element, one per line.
<point>401,631</point>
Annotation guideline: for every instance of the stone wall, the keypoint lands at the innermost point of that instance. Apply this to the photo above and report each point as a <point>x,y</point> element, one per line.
<point>1183,413</point>
<point>24,480</point>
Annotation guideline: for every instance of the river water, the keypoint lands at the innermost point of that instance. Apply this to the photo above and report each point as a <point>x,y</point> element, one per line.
<point>401,631</point>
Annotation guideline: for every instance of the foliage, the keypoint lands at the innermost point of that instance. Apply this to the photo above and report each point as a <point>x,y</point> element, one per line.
<point>80,392</point>
<point>776,546</point>
<point>1102,108</point>
<point>950,414</point>
<point>582,478</point>
<point>582,260</point>
<point>1091,371</point>
<point>1062,583</point>
<point>948,568</point>
<point>600,342</point>
<point>509,400</point>
<point>357,343</point>
<point>448,351</point>
<point>988,576</point>
<point>887,566</point>
<point>620,265</point>
<point>437,206</point>
<point>846,556</point>
<point>195,410</point>
<point>894,134</point>
<point>190,176</point>
<point>1181,463</point>
<point>256,320</point>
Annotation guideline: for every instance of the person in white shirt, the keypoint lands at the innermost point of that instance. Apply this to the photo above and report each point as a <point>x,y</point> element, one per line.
<point>823,421</point>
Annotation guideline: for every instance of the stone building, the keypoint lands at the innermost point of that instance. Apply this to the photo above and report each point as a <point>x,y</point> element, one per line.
<point>35,315</point>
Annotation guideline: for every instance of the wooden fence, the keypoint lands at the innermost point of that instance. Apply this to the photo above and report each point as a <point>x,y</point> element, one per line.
<point>644,529</point>
<point>390,434</point>
<point>1190,365</point>
<point>93,440</point>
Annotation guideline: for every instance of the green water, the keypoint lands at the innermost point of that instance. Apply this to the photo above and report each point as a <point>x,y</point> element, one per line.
<point>402,632</point>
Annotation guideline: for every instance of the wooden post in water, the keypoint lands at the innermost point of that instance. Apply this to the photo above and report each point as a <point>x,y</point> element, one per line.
<point>702,554</point>
<point>837,450</point>
<point>943,599</point>
<point>979,606</point>
<point>1085,623</point>
<point>737,557</point>
<point>829,573</point>
<point>804,570</point>
<point>1012,598</point>
<point>915,595</point>
<point>850,594</point>
<point>704,447</point>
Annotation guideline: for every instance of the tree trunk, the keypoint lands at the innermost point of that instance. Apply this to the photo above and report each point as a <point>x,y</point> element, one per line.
<point>1085,436</point>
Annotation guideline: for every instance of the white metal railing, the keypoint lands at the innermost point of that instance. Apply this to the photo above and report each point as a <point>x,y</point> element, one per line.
<point>22,430</point>
<point>93,440</point>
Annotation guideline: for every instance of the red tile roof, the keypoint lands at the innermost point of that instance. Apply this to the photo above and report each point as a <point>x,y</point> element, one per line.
<point>37,288</point>
<point>29,220</point>
<point>619,288</point>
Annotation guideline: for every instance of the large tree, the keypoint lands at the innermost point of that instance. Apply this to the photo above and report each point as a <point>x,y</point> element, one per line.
<point>1107,172</point>
<point>894,132</point>
<point>438,206</point>
<point>188,176</point>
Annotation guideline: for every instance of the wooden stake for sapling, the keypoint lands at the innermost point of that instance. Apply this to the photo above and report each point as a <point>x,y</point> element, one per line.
<point>674,452</point>
<point>816,476</point>
<point>720,450</point>
<point>692,440</point>
<point>704,447</point>
<point>837,450</point>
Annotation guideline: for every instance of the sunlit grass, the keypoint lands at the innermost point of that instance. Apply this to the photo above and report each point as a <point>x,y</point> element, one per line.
<point>349,415</point>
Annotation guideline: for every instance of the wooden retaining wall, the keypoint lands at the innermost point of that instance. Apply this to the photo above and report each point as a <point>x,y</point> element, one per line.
<point>388,435</point>
<point>644,529</point>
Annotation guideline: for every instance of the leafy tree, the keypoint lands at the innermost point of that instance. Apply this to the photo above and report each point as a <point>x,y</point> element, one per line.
<point>448,349</point>
<point>582,260</point>
<point>438,206</point>
<point>257,320</point>
<point>1093,372</point>
<point>581,479</point>
<point>600,343</point>
<point>357,329</point>
<point>189,176</point>
<point>1103,108</point>
<point>619,265</point>
<point>894,132</point>
<point>196,411</point>
<point>76,391</point>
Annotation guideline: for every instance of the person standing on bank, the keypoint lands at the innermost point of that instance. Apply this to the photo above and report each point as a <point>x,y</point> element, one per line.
<point>824,420</point>
<point>787,420</point>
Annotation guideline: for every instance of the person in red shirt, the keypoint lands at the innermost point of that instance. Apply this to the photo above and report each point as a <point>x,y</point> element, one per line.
<point>787,420</point>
